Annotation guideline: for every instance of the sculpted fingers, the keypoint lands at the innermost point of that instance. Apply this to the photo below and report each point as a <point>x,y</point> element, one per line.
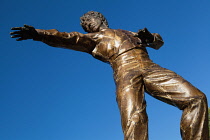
<point>23,33</point>
<point>16,34</point>
<point>16,28</point>
<point>19,37</point>
<point>12,33</point>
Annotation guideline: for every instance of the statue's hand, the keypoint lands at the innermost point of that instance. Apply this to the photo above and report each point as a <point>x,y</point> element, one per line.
<point>145,35</point>
<point>24,33</point>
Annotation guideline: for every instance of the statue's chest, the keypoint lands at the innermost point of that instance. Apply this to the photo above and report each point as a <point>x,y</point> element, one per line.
<point>112,43</point>
<point>106,48</point>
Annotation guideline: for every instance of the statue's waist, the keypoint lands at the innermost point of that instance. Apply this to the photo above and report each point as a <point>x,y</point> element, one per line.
<point>135,58</point>
<point>108,52</point>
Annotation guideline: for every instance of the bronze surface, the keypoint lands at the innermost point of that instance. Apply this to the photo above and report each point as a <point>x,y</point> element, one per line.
<point>134,74</point>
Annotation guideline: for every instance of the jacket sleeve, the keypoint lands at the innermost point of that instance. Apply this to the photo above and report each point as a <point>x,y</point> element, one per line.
<point>73,40</point>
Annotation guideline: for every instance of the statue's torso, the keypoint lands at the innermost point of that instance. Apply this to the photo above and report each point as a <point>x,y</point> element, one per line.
<point>120,48</point>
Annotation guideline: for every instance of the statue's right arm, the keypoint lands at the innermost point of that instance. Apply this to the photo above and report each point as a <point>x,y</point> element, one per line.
<point>73,40</point>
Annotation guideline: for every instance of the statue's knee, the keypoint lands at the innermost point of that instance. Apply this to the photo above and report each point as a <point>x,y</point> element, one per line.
<point>200,100</point>
<point>203,99</point>
<point>136,118</point>
<point>139,117</point>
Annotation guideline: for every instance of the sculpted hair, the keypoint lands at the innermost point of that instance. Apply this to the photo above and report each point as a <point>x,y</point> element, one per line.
<point>85,19</point>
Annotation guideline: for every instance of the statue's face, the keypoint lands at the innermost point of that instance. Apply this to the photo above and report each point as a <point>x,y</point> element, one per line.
<point>93,25</point>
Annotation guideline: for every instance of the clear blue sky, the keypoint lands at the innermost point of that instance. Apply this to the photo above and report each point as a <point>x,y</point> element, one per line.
<point>56,94</point>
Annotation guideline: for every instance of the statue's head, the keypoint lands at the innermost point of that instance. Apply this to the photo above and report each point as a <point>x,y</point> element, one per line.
<point>93,22</point>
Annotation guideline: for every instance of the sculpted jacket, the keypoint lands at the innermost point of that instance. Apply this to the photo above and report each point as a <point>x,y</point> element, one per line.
<point>105,45</point>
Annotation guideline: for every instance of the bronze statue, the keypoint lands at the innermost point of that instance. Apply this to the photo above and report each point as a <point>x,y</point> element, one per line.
<point>134,73</point>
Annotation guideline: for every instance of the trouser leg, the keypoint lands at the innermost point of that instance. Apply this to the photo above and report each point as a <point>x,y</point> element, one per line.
<point>169,87</point>
<point>132,105</point>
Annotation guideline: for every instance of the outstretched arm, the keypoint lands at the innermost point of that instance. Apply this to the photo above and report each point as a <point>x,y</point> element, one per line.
<point>73,40</point>
<point>153,40</point>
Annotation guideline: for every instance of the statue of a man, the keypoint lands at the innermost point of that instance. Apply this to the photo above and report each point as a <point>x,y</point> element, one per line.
<point>134,73</point>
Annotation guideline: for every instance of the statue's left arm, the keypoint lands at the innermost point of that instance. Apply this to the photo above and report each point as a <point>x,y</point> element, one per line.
<point>153,40</point>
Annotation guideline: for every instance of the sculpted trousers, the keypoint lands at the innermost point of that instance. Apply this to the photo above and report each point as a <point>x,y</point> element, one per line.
<point>166,86</point>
